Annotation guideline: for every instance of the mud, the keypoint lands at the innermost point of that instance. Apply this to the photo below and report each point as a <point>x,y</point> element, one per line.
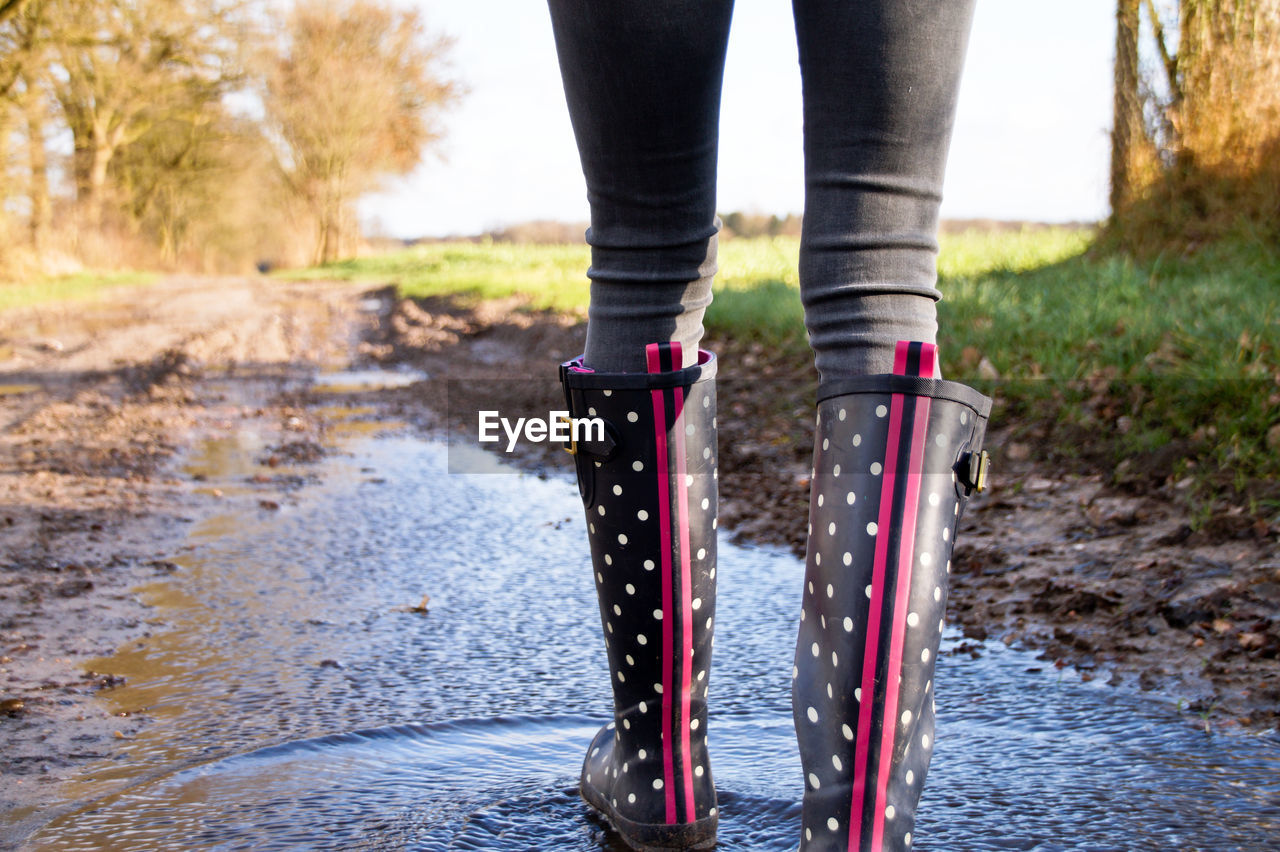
<point>100,401</point>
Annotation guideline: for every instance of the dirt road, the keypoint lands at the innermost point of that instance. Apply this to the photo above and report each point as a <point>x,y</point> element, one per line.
<point>99,401</point>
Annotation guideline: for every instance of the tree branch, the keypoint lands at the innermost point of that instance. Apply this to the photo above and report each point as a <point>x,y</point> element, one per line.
<point>1170,61</point>
<point>9,8</point>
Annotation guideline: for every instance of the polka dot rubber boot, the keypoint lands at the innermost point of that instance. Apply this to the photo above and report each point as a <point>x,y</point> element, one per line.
<point>648,485</point>
<point>895,458</point>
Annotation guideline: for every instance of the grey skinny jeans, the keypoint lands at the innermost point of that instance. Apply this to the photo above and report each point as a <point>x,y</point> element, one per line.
<point>642,79</point>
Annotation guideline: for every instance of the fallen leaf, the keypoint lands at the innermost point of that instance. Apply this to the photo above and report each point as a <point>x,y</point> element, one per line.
<point>1252,641</point>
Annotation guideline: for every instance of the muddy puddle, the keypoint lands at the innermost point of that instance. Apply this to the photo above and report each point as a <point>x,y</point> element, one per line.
<point>301,697</point>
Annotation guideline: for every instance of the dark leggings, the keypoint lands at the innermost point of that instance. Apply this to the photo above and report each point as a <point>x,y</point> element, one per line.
<point>642,79</point>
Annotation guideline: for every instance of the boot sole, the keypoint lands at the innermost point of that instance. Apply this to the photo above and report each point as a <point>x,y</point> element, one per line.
<point>659,837</point>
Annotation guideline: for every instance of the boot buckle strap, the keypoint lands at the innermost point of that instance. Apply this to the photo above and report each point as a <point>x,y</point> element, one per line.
<point>571,446</point>
<point>603,446</point>
<point>972,470</point>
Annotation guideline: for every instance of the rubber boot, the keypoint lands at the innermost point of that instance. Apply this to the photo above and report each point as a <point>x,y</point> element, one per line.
<point>895,459</point>
<point>648,485</point>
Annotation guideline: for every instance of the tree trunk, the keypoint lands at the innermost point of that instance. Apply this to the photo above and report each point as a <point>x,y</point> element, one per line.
<point>327,236</point>
<point>1209,170</point>
<point>1127,132</point>
<point>332,203</point>
<point>39,188</point>
<point>95,196</point>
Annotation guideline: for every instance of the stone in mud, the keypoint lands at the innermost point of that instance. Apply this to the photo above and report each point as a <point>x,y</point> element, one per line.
<point>74,588</point>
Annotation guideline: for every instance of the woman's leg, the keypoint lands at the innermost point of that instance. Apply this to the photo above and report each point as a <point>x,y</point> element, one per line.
<point>897,450</point>
<point>642,79</point>
<point>881,78</point>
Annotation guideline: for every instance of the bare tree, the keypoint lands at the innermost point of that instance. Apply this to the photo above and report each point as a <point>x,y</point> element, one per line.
<point>352,90</point>
<point>120,66</point>
<point>200,186</point>
<point>353,96</point>
<point>22,57</point>
<point>35,109</point>
<point>21,25</point>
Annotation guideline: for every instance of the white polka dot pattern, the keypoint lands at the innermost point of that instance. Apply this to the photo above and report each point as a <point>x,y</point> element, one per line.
<point>884,527</point>
<point>651,767</point>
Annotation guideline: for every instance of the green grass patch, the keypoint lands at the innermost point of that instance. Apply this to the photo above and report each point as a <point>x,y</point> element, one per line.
<point>757,293</point>
<point>551,277</point>
<point>67,288</point>
<point>1142,357</point>
<point>1064,315</point>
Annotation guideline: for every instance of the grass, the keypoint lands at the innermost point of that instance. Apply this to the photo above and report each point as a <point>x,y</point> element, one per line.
<point>1176,359</point>
<point>67,288</point>
<point>553,277</point>
<point>1129,358</point>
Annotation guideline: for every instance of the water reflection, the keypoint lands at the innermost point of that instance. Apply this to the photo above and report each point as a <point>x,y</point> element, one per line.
<point>355,381</point>
<point>227,457</point>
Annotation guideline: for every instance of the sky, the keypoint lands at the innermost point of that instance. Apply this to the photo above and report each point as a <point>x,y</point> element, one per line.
<point>1031,137</point>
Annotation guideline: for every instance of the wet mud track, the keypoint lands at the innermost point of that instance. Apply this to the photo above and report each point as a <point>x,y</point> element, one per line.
<point>128,436</point>
<point>98,400</point>
<point>301,697</point>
